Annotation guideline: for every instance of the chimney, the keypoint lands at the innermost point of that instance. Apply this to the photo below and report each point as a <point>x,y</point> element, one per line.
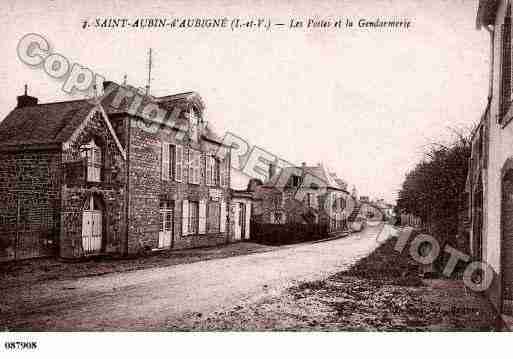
<point>26,100</point>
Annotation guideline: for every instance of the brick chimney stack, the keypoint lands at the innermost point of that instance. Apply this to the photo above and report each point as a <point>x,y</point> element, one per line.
<point>26,100</point>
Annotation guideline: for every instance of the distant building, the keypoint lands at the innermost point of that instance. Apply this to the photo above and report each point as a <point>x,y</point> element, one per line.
<point>370,210</point>
<point>305,194</point>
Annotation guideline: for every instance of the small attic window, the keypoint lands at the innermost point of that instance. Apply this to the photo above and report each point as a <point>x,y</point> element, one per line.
<point>93,155</point>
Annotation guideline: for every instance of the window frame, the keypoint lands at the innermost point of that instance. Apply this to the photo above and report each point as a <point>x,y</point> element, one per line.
<point>91,152</point>
<point>194,175</point>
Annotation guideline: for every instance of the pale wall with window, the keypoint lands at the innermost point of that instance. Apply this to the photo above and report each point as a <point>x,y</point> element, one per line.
<point>500,149</point>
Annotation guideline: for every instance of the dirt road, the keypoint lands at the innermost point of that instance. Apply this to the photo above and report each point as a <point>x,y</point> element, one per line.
<point>159,298</point>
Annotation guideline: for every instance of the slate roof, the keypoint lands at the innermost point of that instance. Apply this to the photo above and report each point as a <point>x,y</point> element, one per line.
<point>318,171</point>
<point>50,123</point>
<point>54,123</point>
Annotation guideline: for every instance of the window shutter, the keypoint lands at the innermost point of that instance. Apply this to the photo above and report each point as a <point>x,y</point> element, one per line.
<point>216,169</point>
<point>190,162</point>
<point>178,163</point>
<point>222,220</point>
<point>202,216</point>
<point>197,167</point>
<point>165,161</point>
<point>208,170</point>
<point>223,173</point>
<point>185,217</point>
<point>248,220</point>
<point>505,75</point>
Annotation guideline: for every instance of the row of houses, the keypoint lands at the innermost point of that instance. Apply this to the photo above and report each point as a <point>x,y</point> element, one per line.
<point>84,177</point>
<point>93,176</point>
<point>315,196</point>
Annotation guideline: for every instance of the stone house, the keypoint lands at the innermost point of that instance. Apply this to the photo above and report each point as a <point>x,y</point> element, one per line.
<point>306,195</point>
<point>370,210</point>
<point>490,176</point>
<point>86,177</point>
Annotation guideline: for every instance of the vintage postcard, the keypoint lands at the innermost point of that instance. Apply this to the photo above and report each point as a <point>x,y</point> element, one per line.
<point>255,166</point>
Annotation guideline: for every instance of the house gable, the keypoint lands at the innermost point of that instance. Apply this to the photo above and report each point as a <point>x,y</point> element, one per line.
<point>95,115</point>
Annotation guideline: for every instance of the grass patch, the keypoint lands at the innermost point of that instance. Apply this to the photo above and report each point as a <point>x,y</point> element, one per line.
<point>386,265</point>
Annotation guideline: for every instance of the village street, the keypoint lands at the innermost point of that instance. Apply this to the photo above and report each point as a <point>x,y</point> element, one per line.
<point>159,298</point>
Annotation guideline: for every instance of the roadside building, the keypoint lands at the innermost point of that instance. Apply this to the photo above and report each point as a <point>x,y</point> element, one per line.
<point>304,195</point>
<point>490,177</point>
<point>86,177</point>
<point>370,210</point>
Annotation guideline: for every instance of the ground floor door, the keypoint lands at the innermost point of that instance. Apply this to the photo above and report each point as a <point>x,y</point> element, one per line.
<point>166,225</point>
<point>92,231</point>
<point>507,243</point>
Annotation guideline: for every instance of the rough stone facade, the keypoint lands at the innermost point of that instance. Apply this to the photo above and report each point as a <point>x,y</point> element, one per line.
<point>103,173</point>
<point>148,189</point>
<point>29,202</point>
<point>77,190</point>
<point>298,203</point>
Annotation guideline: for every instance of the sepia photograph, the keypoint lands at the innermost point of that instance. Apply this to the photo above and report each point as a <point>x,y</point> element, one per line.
<point>171,170</point>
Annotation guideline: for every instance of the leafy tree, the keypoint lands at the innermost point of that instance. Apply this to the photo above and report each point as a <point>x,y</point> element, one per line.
<point>435,188</point>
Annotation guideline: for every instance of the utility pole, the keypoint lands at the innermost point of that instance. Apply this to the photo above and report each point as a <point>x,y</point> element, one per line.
<point>149,74</point>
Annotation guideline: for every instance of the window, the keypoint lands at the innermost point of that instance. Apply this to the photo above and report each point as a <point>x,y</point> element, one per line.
<point>505,91</point>
<point>93,155</point>
<point>213,217</point>
<point>193,219</point>
<point>172,162</point>
<point>309,200</point>
<point>211,171</point>
<point>194,166</point>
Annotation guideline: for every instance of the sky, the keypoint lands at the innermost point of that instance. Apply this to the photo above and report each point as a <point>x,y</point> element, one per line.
<point>364,102</point>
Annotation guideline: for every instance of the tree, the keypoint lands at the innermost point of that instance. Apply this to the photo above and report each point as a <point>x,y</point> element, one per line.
<point>435,188</point>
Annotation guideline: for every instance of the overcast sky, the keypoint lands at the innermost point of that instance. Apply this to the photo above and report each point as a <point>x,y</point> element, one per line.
<point>364,102</point>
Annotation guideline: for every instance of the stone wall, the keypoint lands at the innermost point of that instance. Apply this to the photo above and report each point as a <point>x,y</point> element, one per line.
<point>147,189</point>
<point>76,191</point>
<point>29,203</point>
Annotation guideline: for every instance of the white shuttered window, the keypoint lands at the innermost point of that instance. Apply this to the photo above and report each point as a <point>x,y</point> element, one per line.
<point>179,163</point>
<point>185,217</point>
<point>194,166</point>
<point>202,217</point>
<point>222,220</point>
<point>165,161</point>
